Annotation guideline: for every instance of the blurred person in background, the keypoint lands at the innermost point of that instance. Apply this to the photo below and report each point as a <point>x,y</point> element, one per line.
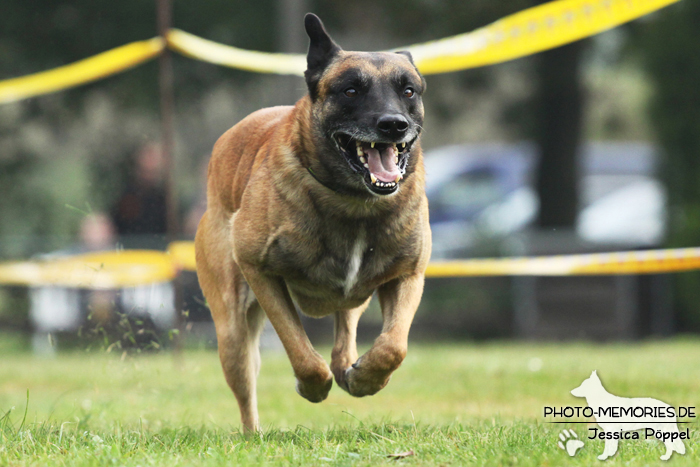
<point>141,223</point>
<point>140,211</point>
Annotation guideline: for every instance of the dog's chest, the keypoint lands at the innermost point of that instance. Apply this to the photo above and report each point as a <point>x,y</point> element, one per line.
<point>337,262</point>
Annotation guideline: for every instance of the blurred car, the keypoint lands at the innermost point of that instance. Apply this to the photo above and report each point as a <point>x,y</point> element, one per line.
<point>481,194</point>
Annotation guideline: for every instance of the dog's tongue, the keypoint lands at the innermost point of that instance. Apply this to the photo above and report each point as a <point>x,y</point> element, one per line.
<point>383,165</point>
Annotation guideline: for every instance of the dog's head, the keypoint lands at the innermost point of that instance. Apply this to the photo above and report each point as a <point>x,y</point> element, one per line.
<point>368,110</point>
<point>590,386</point>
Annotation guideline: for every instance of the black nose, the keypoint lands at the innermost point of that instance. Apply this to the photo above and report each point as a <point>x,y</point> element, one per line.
<point>392,124</point>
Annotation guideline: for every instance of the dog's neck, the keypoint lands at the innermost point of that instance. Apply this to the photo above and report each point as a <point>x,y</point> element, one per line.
<point>598,397</point>
<point>319,180</point>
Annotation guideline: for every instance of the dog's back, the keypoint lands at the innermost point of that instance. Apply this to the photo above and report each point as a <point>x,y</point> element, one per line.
<point>235,154</point>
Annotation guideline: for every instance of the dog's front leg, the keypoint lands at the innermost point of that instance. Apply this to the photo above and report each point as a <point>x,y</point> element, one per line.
<point>345,349</point>
<point>609,450</point>
<point>314,378</point>
<point>399,300</point>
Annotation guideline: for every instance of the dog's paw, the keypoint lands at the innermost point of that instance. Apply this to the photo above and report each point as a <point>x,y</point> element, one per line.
<point>314,391</point>
<point>359,382</point>
<point>569,442</point>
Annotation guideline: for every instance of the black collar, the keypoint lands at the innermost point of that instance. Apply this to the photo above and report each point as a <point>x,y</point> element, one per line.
<point>319,181</point>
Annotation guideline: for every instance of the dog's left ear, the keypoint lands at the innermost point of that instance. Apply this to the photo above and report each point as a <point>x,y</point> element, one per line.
<point>408,55</point>
<point>322,50</point>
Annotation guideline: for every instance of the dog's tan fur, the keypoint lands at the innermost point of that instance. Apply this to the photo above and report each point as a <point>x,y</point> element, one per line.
<point>273,235</point>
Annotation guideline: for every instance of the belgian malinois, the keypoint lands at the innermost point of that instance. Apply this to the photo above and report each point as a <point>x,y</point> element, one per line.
<point>317,206</point>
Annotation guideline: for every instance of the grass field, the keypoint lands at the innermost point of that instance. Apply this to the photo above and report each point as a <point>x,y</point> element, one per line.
<point>453,404</point>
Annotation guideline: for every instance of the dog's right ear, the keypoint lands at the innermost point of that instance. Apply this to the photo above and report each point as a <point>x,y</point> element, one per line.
<point>322,50</point>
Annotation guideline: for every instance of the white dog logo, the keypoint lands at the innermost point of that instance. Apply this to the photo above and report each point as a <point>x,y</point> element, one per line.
<point>617,415</point>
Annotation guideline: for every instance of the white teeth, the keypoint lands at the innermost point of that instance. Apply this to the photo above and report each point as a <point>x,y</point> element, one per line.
<point>398,177</point>
<point>372,144</point>
<point>366,166</point>
<point>396,159</point>
<point>359,151</point>
<point>362,159</point>
<point>381,184</point>
<point>403,145</point>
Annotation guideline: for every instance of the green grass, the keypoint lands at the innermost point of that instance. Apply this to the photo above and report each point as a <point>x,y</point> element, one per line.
<point>459,404</point>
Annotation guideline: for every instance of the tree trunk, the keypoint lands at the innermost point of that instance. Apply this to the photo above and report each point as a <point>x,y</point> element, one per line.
<point>558,113</point>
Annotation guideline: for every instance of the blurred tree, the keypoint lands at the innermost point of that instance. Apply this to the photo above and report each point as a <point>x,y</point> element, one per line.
<point>43,34</point>
<point>558,112</point>
<point>557,128</point>
<point>670,50</point>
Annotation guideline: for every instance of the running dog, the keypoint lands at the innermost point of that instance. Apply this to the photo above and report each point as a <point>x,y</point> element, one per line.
<point>317,206</point>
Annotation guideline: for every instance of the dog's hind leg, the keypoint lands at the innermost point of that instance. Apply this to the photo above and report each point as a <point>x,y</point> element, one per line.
<point>237,316</point>
<point>345,349</point>
<point>239,352</point>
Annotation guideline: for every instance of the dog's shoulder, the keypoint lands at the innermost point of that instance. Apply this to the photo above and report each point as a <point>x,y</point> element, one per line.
<point>235,151</point>
<point>252,131</point>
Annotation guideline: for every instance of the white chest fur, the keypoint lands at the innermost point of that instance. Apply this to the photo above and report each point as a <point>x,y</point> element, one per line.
<point>356,254</point>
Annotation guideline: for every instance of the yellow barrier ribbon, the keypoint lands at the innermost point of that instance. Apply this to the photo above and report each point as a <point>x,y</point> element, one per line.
<point>130,268</point>
<point>104,270</point>
<point>81,72</point>
<point>182,255</point>
<point>262,62</point>
<point>529,31</point>
<point>524,33</point>
<point>625,262</point>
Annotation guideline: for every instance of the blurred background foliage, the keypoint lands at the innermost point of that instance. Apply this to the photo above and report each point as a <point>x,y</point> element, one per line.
<point>70,153</point>
<point>669,52</point>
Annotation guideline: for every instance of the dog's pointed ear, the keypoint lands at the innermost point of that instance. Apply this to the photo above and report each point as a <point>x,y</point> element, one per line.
<point>408,55</point>
<point>594,374</point>
<point>322,50</point>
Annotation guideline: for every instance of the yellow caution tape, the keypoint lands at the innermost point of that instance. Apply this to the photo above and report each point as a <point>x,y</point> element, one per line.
<point>106,270</point>
<point>524,33</point>
<point>116,269</point>
<point>182,255</point>
<point>626,262</point>
<point>529,31</point>
<point>81,72</point>
<point>220,54</point>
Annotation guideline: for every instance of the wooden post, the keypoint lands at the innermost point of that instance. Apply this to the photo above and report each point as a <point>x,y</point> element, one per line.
<point>165,86</point>
<point>165,82</point>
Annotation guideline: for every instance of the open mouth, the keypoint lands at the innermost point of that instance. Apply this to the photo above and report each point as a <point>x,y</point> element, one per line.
<point>381,165</point>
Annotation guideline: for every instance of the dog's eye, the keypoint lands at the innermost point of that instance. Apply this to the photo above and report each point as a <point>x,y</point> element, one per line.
<point>408,92</point>
<point>351,92</point>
